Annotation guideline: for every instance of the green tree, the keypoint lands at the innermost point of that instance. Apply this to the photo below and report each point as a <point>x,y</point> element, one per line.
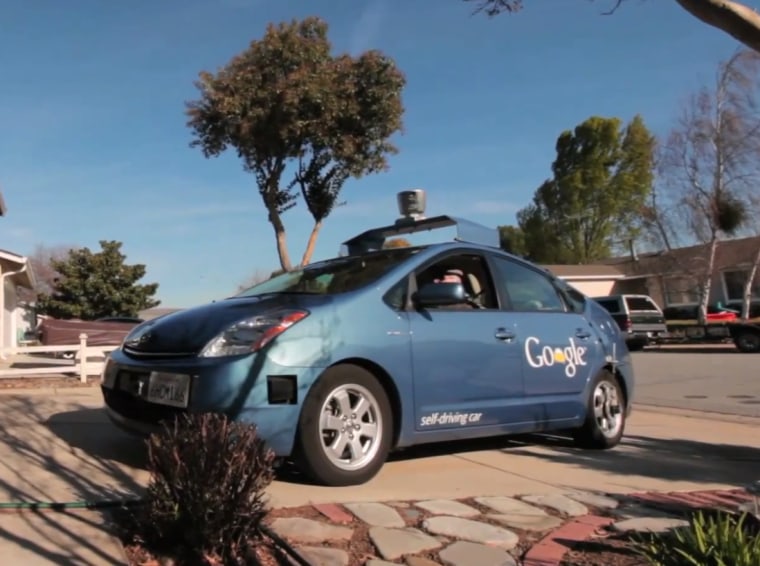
<point>512,240</point>
<point>288,101</point>
<point>92,285</point>
<point>603,174</point>
<point>734,18</point>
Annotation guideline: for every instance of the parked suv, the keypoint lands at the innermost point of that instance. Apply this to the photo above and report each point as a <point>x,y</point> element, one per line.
<point>639,318</point>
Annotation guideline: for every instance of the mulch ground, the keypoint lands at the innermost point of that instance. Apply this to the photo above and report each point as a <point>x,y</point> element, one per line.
<point>613,550</point>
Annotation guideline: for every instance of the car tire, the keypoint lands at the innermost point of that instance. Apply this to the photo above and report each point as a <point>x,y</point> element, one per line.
<point>336,445</point>
<point>605,420</point>
<point>747,342</point>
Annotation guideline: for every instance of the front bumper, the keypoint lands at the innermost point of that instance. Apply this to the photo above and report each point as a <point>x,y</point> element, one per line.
<point>131,426</point>
<point>240,388</point>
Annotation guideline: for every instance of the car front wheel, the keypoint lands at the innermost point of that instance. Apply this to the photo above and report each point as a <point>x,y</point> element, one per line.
<point>605,415</point>
<point>345,427</point>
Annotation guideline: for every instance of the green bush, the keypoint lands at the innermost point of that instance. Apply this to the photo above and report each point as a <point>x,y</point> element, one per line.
<point>719,539</point>
<point>205,498</point>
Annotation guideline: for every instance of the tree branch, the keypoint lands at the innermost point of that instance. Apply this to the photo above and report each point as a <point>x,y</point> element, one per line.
<point>739,21</point>
<point>612,10</point>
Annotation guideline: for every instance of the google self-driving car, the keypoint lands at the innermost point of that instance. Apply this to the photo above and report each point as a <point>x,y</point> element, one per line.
<point>342,361</point>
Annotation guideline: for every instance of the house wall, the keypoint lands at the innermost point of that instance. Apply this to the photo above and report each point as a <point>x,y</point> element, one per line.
<point>9,316</point>
<point>592,287</point>
<point>25,320</point>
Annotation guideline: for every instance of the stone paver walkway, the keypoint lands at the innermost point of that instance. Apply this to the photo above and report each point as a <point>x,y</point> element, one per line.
<point>487,531</point>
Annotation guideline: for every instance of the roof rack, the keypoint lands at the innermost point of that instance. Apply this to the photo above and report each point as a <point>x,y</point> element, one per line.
<point>412,208</point>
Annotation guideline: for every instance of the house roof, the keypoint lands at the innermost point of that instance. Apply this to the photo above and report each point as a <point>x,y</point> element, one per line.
<point>10,262</point>
<point>155,312</point>
<point>690,259</point>
<point>585,271</point>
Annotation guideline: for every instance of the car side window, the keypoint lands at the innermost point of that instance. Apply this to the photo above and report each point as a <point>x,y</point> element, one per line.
<point>573,297</point>
<point>528,290</point>
<point>397,295</point>
<point>469,269</point>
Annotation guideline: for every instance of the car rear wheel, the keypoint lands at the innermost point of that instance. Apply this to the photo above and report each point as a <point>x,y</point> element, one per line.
<point>605,415</point>
<point>345,427</point>
<point>748,342</point>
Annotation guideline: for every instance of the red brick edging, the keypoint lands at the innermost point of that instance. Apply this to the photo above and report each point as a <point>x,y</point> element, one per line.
<point>334,512</point>
<point>551,549</point>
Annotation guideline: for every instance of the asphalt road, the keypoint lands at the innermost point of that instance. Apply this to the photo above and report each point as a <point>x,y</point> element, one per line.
<point>715,379</point>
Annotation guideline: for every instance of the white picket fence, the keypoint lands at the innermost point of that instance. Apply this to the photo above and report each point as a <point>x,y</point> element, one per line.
<point>82,364</point>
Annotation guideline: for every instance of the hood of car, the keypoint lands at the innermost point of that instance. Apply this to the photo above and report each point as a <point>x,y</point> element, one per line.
<point>186,332</point>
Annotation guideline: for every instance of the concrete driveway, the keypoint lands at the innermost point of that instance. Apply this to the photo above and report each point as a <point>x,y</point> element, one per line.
<point>719,379</point>
<point>59,446</point>
<point>62,447</point>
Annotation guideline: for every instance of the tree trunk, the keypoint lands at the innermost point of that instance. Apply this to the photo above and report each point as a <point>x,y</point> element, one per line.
<point>737,20</point>
<point>747,294</point>
<point>311,243</point>
<point>707,285</point>
<point>282,244</point>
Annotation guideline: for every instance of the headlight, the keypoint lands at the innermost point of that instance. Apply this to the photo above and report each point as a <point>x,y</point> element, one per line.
<point>251,334</point>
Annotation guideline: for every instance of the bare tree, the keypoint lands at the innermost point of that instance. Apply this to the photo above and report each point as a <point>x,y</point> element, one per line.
<point>44,273</point>
<point>710,165</point>
<point>734,18</point>
<point>754,269</point>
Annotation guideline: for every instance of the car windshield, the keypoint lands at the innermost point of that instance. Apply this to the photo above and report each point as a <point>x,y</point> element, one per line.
<point>339,275</point>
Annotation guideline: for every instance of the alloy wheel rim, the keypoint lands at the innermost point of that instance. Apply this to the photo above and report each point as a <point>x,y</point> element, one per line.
<point>350,427</point>
<point>607,410</point>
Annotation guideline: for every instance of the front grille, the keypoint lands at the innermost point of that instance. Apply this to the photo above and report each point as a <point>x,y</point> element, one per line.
<point>142,355</point>
<point>137,409</point>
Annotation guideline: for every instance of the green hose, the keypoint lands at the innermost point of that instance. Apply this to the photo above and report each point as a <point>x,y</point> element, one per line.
<point>61,506</point>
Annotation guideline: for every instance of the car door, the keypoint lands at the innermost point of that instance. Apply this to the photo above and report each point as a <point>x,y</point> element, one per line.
<point>558,344</point>
<point>467,367</point>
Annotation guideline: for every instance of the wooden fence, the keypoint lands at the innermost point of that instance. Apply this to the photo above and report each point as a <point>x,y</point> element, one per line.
<point>82,364</point>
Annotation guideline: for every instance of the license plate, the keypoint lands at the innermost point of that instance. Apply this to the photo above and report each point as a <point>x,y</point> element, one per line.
<point>172,389</point>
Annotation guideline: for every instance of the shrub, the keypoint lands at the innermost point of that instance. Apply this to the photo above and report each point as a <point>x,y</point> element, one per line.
<point>205,497</point>
<point>719,540</point>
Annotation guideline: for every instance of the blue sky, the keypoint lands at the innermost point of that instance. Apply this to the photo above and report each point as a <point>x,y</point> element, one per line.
<point>94,143</point>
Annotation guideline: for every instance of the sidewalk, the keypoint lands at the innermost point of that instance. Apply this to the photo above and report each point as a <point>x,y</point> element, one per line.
<point>60,447</point>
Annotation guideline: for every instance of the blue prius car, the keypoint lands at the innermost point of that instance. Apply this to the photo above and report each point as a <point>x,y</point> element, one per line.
<point>342,361</point>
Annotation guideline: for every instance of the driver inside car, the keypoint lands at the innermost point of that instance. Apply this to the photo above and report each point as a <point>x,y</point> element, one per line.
<point>454,276</point>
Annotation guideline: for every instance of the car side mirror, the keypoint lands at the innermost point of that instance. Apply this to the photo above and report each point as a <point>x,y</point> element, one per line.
<point>440,294</point>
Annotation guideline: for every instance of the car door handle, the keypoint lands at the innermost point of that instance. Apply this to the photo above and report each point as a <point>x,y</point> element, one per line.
<point>583,334</point>
<point>504,335</point>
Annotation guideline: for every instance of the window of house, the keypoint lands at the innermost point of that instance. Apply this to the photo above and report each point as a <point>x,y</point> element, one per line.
<point>528,289</point>
<point>682,291</point>
<point>734,282</point>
